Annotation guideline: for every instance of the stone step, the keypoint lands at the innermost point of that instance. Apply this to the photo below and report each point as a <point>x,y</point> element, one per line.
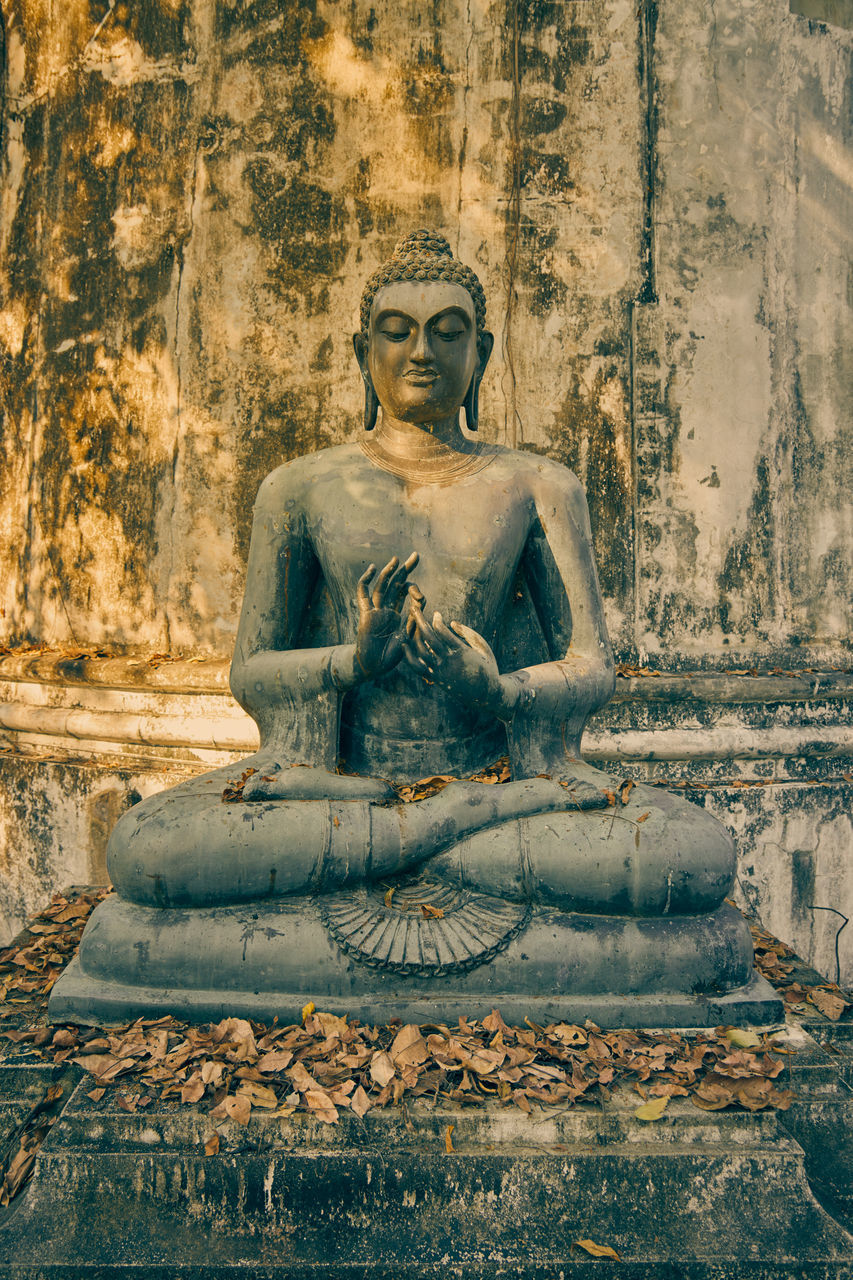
<point>695,1195</point>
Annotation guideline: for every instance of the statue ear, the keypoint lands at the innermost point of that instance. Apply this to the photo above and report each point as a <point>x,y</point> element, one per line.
<point>485,343</point>
<point>371,400</point>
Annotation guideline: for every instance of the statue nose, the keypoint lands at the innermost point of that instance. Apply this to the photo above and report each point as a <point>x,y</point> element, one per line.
<point>422,350</point>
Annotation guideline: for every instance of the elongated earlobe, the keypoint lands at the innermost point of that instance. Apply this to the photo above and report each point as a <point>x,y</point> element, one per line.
<point>371,400</point>
<point>472,403</point>
<point>371,405</point>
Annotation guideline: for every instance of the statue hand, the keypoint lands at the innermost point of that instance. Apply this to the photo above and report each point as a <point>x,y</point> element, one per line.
<point>379,640</point>
<point>459,660</point>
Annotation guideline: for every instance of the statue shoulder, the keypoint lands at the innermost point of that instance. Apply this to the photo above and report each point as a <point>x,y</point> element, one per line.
<point>543,477</point>
<point>289,484</point>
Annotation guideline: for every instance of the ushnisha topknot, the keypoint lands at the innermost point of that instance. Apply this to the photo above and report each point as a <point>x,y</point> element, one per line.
<point>424,255</point>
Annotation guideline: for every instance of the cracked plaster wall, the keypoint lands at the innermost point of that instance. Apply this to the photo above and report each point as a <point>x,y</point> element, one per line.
<point>657,200</point>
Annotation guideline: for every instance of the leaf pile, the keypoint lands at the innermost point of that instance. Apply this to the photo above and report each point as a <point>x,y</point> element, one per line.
<point>54,934</point>
<point>778,965</point>
<point>329,1064</point>
<point>22,1146</point>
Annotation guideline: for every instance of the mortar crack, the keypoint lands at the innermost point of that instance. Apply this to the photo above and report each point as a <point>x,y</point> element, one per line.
<point>512,420</point>
<point>463,149</point>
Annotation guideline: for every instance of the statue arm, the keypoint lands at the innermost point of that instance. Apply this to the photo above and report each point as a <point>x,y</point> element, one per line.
<point>555,699</point>
<point>282,573</point>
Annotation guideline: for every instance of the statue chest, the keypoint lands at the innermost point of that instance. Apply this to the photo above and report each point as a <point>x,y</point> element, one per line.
<point>471,532</point>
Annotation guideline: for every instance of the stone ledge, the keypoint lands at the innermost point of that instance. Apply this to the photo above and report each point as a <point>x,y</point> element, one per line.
<point>184,709</point>
<point>695,1196</point>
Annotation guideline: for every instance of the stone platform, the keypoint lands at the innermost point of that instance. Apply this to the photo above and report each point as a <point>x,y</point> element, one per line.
<point>693,1196</point>
<point>265,960</point>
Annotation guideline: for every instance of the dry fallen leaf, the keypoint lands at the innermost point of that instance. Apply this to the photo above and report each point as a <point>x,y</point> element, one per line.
<point>360,1103</point>
<point>381,1069</point>
<point>322,1106</point>
<point>742,1038</point>
<point>448,1139</point>
<point>830,1004</point>
<point>238,1109</point>
<point>211,1147</point>
<point>409,1047</point>
<point>259,1095</point>
<point>598,1250</point>
<point>653,1110</point>
<point>307,1010</point>
<point>331,1024</point>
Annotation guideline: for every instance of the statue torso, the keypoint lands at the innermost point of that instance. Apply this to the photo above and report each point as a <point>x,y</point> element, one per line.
<point>470,535</point>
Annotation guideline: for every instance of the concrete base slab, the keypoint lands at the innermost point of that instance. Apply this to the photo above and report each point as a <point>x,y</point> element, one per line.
<point>696,1195</point>
<point>80,998</point>
<point>269,959</point>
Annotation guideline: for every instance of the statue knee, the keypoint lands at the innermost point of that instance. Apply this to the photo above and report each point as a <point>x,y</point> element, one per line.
<point>137,860</point>
<point>689,861</point>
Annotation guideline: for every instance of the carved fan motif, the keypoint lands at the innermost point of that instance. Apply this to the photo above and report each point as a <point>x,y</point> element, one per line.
<point>421,926</point>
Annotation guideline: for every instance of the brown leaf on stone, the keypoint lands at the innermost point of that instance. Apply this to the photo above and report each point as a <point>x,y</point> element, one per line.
<point>96,1094</point>
<point>429,912</point>
<point>597,1250</point>
<point>712,1097</point>
<point>665,1089</point>
<point>235,1108</point>
<point>831,1003</point>
<point>76,911</point>
<point>569,1034</point>
<point>331,1024</point>
<point>259,1095</point>
<point>381,1069</point>
<point>322,1106</point>
<point>493,1023</point>
<point>211,1146</point>
<point>408,1048</point>
<point>275,1060</point>
<point>212,1072</point>
<point>302,1079</point>
<point>193,1090</point>
<point>238,1033</point>
<point>360,1102</point>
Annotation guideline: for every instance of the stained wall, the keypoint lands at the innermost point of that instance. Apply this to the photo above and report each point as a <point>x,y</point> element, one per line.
<point>657,198</point>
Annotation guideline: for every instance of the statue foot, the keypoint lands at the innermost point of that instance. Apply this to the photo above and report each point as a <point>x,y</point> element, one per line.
<point>305,783</point>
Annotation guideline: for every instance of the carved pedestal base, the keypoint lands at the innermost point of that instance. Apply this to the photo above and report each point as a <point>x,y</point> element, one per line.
<point>423,953</point>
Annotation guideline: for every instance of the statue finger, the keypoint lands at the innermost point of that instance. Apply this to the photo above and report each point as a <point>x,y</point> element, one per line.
<point>361,589</point>
<point>473,638</point>
<point>413,598</point>
<point>424,641</point>
<point>385,576</point>
<point>395,592</point>
<point>445,635</point>
<point>415,661</point>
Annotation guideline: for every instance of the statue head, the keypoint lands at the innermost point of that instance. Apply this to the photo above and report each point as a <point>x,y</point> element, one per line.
<point>423,345</point>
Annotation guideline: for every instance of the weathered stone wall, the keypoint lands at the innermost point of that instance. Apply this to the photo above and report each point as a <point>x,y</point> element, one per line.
<point>657,197</point>
<point>196,194</point>
<point>658,201</point>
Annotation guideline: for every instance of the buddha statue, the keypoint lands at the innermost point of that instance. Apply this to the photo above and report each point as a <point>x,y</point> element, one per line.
<point>419,604</point>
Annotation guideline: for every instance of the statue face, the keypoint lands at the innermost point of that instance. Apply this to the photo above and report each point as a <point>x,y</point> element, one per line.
<point>422,349</point>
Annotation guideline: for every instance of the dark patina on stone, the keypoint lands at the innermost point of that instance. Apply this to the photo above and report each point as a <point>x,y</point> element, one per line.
<point>536,895</point>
